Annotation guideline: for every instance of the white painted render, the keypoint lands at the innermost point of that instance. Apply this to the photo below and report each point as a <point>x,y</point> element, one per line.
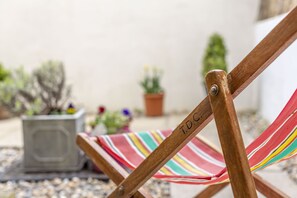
<point>278,82</point>
<point>105,44</point>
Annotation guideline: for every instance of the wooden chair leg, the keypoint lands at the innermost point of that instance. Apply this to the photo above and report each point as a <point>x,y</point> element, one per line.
<point>267,189</point>
<point>264,187</point>
<point>106,163</point>
<point>221,101</point>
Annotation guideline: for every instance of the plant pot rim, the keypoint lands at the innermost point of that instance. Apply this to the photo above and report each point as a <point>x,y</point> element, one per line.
<point>152,94</point>
<point>78,114</point>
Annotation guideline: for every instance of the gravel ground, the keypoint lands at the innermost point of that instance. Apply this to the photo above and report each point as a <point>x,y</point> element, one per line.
<point>62,188</point>
<point>7,156</point>
<point>75,187</point>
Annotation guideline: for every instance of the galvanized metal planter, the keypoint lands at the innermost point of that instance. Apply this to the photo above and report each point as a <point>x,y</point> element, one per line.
<point>49,142</point>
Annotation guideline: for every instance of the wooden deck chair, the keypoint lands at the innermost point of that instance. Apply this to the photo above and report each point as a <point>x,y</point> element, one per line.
<point>179,156</point>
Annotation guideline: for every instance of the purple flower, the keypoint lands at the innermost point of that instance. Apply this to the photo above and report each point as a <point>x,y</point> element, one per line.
<point>126,112</point>
<point>71,109</point>
<point>70,106</point>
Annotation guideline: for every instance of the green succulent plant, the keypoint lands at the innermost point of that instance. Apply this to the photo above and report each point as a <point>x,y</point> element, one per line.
<point>215,55</point>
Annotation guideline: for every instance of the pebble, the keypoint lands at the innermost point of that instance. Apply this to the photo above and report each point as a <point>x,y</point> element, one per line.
<point>57,181</point>
<point>74,188</point>
<point>291,167</point>
<point>8,155</point>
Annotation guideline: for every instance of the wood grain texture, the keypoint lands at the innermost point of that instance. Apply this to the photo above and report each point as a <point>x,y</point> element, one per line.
<point>105,162</point>
<point>239,78</point>
<point>230,136</point>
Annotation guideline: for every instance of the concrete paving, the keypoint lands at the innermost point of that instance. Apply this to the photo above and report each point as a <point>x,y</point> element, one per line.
<point>11,132</point>
<point>11,135</point>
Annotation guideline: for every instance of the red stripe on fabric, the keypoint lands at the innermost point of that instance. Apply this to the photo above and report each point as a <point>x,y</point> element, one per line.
<point>117,157</point>
<point>166,133</point>
<point>124,146</point>
<point>274,142</point>
<point>208,149</point>
<point>285,113</point>
<point>148,150</point>
<point>134,159</point>
<point>199,161</point>
<point>195,158</point>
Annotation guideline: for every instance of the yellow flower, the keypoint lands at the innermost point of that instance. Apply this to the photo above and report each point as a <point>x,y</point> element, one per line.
<point>146,68</point>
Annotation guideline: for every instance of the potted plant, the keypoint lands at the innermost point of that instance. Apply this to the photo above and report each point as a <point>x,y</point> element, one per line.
<point>153,92</point>
<point>4,74</point>
<point>215,55</point>
<point>111,122</point>
<point>49,130</point>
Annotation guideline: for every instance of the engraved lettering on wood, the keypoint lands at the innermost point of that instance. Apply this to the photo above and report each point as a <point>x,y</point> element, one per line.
<point>190,123</point>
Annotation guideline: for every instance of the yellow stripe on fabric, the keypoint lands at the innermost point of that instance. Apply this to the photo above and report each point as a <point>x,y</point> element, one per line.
<point>138,145</point>
<point>184,164</point>
<point>157,137</point>
<point>143,150</point>
<point>277,151</point>
<point>188,166</point>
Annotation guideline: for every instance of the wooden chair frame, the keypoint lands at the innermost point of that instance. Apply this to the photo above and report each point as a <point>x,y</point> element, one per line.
<point>219,104</point>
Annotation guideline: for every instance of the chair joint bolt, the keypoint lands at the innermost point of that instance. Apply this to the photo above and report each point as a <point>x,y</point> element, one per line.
<point>214,90</point>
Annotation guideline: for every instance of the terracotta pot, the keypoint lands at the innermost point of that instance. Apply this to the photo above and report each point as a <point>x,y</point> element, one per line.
<point>4,114</point>
<point>154,104</point>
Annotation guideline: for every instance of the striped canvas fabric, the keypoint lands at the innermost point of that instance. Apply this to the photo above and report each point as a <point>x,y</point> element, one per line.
<point>197,163</point>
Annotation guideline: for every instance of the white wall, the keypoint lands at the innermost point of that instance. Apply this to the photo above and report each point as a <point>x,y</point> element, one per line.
<point>105,43</point>
<point>278,81</point>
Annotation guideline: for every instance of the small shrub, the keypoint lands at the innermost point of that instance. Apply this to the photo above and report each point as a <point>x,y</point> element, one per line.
<point>3,73</point>
<point>41,93</point>
<point>215,55</point>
